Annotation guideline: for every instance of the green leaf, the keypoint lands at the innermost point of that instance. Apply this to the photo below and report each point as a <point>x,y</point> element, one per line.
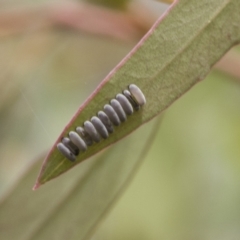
<point>175,54</point>
<point>75,204</point>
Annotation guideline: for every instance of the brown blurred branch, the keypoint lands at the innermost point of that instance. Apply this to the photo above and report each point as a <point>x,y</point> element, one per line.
<point>129,25</point>
<point>230,63</point>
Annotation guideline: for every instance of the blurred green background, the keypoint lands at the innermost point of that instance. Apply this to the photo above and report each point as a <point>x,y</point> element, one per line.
<point>189,185</point>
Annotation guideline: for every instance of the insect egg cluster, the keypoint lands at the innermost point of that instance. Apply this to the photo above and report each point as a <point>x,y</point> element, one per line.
<point>100,126</point>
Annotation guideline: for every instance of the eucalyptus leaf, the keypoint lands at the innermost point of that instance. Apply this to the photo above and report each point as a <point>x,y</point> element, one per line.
<point>177,52</point>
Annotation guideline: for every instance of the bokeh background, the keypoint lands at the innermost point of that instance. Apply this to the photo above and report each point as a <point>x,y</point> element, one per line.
<point>189,184</point>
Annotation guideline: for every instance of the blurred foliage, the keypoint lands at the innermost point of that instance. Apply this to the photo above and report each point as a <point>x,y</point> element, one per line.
<point>117,4</point>
<point>84,195</point>
<point>189,185</point>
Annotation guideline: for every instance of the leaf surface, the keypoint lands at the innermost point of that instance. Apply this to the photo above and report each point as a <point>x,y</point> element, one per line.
<point>177,52</point>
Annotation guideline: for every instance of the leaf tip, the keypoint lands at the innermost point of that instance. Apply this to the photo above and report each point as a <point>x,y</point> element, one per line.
<point>36,186</point>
